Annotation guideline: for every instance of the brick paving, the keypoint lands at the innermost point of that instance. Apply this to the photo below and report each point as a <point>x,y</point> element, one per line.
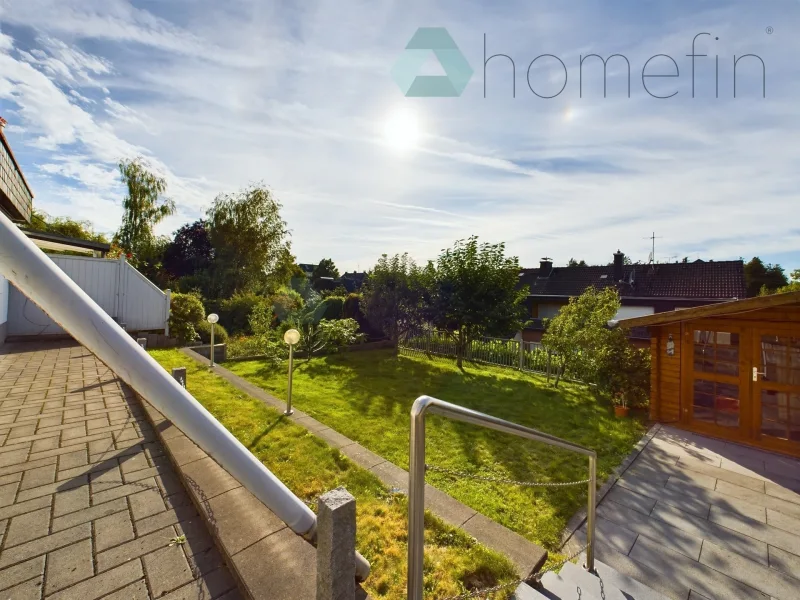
<point>89,503</point>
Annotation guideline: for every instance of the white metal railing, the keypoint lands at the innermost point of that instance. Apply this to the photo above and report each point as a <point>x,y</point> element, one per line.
<point>516,354</point>
<point>35,275</point>
<point>425,405</point>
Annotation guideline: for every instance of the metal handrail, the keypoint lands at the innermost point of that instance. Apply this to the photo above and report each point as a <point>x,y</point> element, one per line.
<point>40,279</point>
<point>416,476</point>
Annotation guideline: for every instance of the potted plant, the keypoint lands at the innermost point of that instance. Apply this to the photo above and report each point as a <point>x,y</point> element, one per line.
<point>620,401</point>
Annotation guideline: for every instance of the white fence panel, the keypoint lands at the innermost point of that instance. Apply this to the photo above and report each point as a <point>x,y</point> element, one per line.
<point>144,306</point>
<point>119,289</point>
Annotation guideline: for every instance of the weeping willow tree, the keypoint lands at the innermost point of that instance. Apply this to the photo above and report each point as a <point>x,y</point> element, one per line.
<point>143,207</point>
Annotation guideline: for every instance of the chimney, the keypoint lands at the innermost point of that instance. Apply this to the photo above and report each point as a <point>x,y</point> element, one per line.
<point>618,264</point>
<point>545,267</point>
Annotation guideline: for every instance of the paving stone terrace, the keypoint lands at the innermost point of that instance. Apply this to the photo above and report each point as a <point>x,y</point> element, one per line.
<point>694,517</point>
<point>89,505</point>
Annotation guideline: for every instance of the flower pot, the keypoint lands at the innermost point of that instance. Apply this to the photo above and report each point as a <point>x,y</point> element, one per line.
<point>621,411</point>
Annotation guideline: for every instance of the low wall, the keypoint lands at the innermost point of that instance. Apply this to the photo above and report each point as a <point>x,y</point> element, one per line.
<point>220,351</point>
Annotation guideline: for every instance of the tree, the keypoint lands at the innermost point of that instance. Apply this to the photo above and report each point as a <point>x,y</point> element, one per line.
<point>580,330</point>
<point>325,268</point>
<point>763,278</point>
<point>574,263</point>
<point>250,241</point>
<point>477,293</point>
<point>143,207</point>
<point>81,230</point>
<point>190,251</point>
<point>793,285</point>
<point>395,295</point>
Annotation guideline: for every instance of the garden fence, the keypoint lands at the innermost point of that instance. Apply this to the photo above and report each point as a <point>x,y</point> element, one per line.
<point>517,354</point>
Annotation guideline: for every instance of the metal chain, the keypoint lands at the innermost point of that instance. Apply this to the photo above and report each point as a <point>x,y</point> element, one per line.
<point>535,579</point>
<point>501,480</point>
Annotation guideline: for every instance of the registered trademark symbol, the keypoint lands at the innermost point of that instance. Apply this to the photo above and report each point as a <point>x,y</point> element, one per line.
<point>770,30</point>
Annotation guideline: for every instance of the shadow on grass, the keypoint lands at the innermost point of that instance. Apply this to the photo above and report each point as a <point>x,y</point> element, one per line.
<point>254,442</point>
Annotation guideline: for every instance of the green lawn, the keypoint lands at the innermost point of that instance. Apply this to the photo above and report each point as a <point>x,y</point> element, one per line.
<point>309,467</point>
<point>367,397</point>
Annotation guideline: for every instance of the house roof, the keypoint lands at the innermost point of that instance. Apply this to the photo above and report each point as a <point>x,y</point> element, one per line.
<point>55,241</point>
<point>711,310</point>
<point>699,280</point>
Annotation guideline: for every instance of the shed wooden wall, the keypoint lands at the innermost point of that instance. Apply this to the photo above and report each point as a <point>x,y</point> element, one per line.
<point>665,375</point>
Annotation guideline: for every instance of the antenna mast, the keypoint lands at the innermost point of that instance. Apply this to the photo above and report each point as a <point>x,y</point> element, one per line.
<point>653,238</point>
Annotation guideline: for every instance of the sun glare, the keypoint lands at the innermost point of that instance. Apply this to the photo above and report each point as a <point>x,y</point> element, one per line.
<point>401,130</point>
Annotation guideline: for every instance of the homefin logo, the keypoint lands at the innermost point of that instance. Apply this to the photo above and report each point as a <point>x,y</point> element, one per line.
<point>458,71</point>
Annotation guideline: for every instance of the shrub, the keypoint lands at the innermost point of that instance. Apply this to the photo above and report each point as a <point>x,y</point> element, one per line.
<point>351,308</point>
<point>284,302</point>
<point>332,308</point>
<point>186,311</point>
<point>235,311</point>
<point>204,331</point>
<point>623,371</point>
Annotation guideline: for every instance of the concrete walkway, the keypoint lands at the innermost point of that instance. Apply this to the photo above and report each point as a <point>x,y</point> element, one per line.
<point>525,554</point>
<point>695,517</point>
<point>89,505</point>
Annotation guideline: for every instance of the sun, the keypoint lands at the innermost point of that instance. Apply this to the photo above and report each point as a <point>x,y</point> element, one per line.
<point>401,129</point>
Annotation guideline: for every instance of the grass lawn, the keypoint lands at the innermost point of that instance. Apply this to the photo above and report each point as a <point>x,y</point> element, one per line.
<point>309,467</point>
<point>367,396</point>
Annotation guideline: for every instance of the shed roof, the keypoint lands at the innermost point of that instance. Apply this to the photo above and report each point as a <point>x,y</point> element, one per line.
<point>712,310</point>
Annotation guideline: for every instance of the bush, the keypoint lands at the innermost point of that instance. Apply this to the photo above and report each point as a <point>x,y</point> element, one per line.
<point>284,302</point>
<point>186,311</point>
<point>623,371</point>
<point>332,308</point>
<point>235,311</point>
<point>204,331</point>
<point>351,308</point>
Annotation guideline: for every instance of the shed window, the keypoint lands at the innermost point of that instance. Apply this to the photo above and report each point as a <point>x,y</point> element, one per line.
<point>716,352</point>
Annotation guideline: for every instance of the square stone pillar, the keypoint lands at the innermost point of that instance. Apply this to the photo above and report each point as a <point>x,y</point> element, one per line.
<point>336,546</point>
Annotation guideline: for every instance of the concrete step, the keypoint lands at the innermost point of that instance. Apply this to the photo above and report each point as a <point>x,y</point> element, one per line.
<point>557,587</point>
<point>625,565</point>
<point>591,584</point>
<point>630,587</point>
<point>526,592</point>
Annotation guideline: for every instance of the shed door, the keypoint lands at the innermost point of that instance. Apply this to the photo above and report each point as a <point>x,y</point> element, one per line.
<point>776,387</point>
<point>717,387</point>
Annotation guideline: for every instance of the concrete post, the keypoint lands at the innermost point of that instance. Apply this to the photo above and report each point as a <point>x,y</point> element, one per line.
<point>336,546</point>
<point>142,342</point>
<point>179,373</point>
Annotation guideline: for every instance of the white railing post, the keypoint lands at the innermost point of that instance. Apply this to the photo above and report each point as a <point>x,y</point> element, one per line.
<point>40,279</point>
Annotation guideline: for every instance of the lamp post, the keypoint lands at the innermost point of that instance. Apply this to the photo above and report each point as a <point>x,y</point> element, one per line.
<point>291,337</point>
<point>212,318</point>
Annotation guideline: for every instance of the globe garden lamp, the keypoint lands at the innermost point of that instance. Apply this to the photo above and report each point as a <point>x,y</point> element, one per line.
<point>291,337</point>
<point>213,318</point>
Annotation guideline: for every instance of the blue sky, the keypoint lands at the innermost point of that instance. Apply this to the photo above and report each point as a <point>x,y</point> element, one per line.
<point>299,95</point>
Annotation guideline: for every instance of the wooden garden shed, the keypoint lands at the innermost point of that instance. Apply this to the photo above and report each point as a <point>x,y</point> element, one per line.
<point>729,370</point>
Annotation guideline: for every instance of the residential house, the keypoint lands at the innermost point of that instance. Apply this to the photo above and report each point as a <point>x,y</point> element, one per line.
<point>644,289</point>
<point>123,292</point>
<point>16,202</point>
